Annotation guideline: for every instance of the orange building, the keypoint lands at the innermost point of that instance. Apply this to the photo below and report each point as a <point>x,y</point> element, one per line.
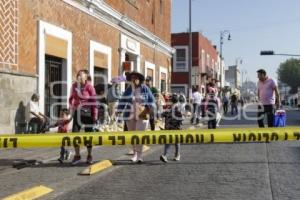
<point>44,43</point>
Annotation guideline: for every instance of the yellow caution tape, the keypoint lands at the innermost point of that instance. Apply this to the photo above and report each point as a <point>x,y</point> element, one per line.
<point>152,137</point>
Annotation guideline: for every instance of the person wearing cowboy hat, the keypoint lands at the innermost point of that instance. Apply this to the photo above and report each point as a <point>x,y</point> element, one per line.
<point>136,103</point>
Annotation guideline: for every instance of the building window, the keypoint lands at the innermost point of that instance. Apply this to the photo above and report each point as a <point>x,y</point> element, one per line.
<point>161,7</point>
<point>179,89</point>
<point>181,59</point>
<point>203,62</point>
<point>163,73</point>
<point>150,72</point>
<point>208,60</point>
<point>53,85</point>
<point>100,71</point>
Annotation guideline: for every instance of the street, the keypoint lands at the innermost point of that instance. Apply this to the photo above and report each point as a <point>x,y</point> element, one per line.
<point>93,92</point>
<point>210,171</point>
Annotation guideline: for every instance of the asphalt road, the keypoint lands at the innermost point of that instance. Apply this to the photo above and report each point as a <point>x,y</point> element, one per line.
<point>216,172</point>
<point>210,171</point>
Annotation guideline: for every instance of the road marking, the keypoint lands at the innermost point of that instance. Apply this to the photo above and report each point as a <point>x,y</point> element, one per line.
<point>97,167</point>
<point>31,193</point>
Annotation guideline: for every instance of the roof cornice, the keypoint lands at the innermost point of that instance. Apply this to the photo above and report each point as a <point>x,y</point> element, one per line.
<point>102,11</point>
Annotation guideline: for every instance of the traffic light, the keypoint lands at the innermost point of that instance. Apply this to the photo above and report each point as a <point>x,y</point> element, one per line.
<point>266,53</point>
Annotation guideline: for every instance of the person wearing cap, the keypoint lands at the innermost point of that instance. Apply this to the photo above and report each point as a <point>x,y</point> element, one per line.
<point>155,92</point>
<point>136,104</point>
<point>267,100</point>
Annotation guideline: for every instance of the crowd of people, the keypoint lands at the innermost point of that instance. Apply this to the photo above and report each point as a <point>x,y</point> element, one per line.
<point>140,105</point>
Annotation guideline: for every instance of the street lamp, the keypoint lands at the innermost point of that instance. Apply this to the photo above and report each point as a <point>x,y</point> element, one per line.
<point>244,73</point>
<point>222,35</point>
<point>271,53</point>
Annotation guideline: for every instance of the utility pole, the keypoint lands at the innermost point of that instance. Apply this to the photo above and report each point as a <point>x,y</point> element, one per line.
<point>190,63</point>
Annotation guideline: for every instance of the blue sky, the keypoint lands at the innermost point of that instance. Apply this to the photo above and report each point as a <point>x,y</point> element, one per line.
<point>254,25</point>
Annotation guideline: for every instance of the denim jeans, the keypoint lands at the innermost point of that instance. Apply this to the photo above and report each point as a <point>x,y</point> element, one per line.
<point>63,152</point>
<point>177,149</point>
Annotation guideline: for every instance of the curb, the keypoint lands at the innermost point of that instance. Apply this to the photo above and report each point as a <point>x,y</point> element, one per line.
<point>31,193</point>
<point>97,167</point>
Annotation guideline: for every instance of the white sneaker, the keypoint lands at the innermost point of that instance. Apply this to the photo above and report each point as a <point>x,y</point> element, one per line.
<point>163,158</point>
<point>177,158</point>
<point>134,158</point>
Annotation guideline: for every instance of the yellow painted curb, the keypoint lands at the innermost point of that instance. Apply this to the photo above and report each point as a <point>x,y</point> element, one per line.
<point>97,167</point>
<point>31,193</point>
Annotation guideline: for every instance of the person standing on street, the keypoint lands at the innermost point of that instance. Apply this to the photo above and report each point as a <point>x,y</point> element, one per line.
<point>83,105</point>
<point>267,100</point>
<point>154,93</point>
<point>113,96</point>
<point>136,105</point>
<point>225,102</point>
<point>212,108</point>
<point>234,103</point>
<point>196,101</point>
<point>173,121</point>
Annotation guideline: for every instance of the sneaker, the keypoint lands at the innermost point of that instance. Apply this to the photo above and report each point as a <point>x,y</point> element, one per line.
<point>76,160</point>
<point>89,159</point>
<point>177,158</point>
<point>134,158</point>
<point>68,155</point>
<point>61,160</point>
<point>163,158</point>
<point>140,161</point>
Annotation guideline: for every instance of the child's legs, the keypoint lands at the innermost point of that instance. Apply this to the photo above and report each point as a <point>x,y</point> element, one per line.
<point>177,149</point>
<point>62,151</point>
<point>167,148</point>
<point>140,125</point>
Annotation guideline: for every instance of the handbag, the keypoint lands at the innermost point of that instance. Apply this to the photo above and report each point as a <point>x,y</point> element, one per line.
<point>140,110</point>
<point>85,112</point>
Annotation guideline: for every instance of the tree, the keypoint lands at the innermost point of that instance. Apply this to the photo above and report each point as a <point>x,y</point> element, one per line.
<point>289,73</point>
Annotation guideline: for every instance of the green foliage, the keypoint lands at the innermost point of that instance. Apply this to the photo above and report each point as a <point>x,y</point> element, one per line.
<point>289,73</point>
